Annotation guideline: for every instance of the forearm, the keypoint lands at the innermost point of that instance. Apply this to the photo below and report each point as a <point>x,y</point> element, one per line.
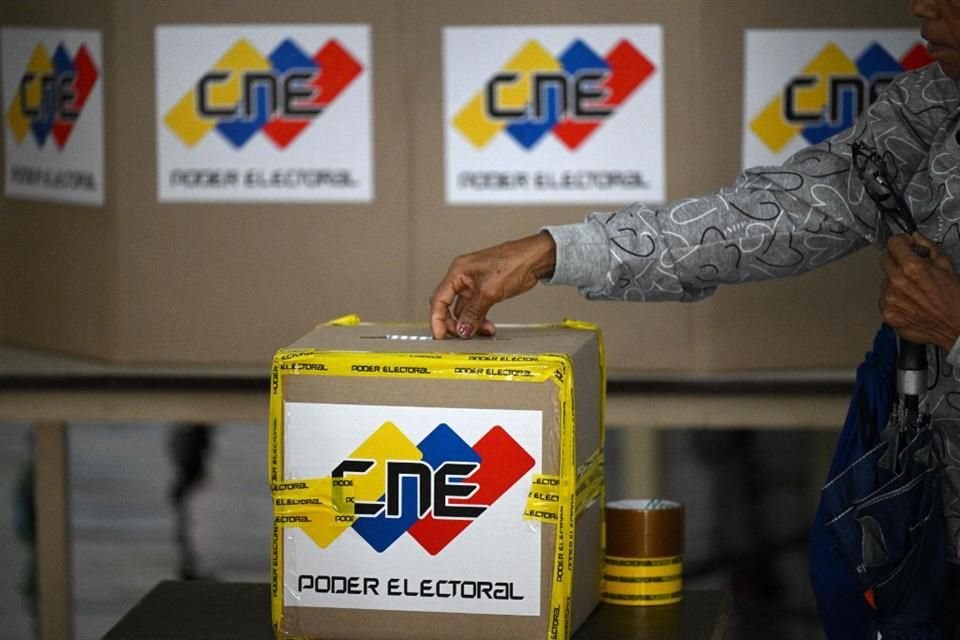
<point>771,222</point>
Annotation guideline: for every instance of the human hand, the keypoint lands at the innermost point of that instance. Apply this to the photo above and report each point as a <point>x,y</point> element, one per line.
<point>920,296</point>
<point>476,281</point>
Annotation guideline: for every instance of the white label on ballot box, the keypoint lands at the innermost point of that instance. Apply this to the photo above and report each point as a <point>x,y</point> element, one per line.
<point>439,495</point>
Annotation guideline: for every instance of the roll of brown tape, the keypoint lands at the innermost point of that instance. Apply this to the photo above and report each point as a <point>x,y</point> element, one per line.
<point>644,556</point>
<point>644,528</point>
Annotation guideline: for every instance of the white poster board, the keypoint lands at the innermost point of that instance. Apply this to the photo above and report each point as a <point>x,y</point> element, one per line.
<point>273,113</point>
<point>801,86</point>
<point>53,114</point>
<point>553,114</point>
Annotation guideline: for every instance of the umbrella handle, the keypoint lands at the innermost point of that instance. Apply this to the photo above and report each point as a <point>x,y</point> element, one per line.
<point>911,368</point>
<point>912,358</point>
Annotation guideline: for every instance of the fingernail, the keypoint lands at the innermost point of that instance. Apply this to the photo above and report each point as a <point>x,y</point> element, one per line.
<point>464,330</point>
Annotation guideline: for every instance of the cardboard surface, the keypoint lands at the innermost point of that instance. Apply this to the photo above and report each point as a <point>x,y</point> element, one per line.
<point>421,397</point>
<point>140,281</point>
<point>231,282</point>
<point>638,336</point>
<point>137,281</point>
<point>57,262</point>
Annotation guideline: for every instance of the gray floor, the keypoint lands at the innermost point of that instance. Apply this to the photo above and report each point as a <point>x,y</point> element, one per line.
<point>749,498</point>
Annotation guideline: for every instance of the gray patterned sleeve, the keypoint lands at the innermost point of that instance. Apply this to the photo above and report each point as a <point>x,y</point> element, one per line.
<point>772,222</point>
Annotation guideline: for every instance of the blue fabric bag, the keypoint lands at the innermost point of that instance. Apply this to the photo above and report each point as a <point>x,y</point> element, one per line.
<point>876,554</point>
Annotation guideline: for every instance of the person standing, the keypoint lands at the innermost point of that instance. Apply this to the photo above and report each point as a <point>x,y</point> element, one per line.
<point>775,222</point>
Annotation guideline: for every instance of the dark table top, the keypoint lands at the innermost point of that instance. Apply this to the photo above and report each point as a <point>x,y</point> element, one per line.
<point>241,611</point>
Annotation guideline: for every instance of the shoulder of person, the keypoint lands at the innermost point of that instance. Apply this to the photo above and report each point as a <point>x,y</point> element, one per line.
<point>928,84</point>
<point>925,98</point>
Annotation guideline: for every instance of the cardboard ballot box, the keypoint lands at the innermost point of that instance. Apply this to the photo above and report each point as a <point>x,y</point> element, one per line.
<point>427,489</point>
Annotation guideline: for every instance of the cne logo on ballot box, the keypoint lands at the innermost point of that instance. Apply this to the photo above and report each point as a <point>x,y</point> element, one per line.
<point>437,499</point>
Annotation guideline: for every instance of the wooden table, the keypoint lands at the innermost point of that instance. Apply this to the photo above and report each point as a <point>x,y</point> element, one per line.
<point>218,611</point>
<point>50,390</point>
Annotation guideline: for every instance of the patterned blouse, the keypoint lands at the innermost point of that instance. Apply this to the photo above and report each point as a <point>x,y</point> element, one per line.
<point>781,221</point>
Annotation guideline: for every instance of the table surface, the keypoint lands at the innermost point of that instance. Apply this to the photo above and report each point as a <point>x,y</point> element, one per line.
<point>241,611</point>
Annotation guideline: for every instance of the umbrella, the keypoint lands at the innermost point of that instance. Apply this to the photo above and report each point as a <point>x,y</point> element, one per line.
<point>844,611</point>
<point>880,512</point>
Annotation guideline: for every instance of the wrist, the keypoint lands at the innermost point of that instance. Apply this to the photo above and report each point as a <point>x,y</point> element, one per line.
<point>541,254</point>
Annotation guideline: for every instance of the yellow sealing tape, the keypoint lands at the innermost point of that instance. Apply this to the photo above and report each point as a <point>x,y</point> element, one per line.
<point>590,481</point>
<point>642,568</point>
<point>587,484</point>
<point>322,507</point>
<point>349,320</point>
<point>649,587</point>
<point>642,581</point>
<point>642,562</point>
<point>641,600</point>
<point>546,491</point>
<point>544,498</point>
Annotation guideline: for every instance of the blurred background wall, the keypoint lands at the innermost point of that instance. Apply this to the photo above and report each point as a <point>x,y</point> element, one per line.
<point>140,279</point>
